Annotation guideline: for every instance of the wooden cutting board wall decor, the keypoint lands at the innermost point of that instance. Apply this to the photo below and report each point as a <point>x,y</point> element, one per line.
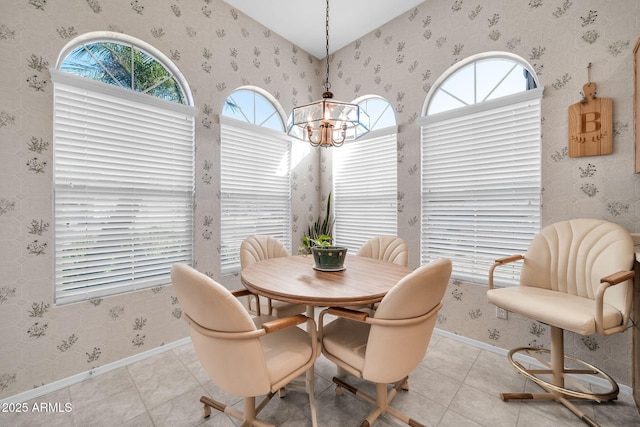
<point>590,125</point>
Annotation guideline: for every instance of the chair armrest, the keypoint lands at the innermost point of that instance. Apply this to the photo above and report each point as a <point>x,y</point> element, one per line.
<point>502,261</point>
<point>508,259</point>
<point>241,293</point>
<point>283,322</point>
<point>287,322</point>
<point>347,313</point>
<point>238,293</point>
<point>358,316</point>
<point>619,277</point>
<point>605,283</point>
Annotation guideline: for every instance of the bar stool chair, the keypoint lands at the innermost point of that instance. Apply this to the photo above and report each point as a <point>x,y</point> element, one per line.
<point>576,276</point>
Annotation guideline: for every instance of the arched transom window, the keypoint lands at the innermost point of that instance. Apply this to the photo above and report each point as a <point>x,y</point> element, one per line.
<point>480,81</point>
<point>126,66</point>
<point>251,106</point>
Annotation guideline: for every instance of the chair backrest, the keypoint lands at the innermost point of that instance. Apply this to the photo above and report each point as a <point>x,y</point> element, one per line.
<point>403,323</point>
<point>257,248</point>
<point>387,248</point>
<point>572,256</point>
<point>223,334</point>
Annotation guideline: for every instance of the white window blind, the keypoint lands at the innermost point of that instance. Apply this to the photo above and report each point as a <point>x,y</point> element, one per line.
<point>124,183</point>
<point>481,185</point>
<point>365,188</point>
<point>255,187</point>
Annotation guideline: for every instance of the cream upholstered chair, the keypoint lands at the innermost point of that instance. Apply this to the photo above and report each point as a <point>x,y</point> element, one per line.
<point>243,356</point>
<point>386,347</point>
<point>257,248</point>
<point>576,276</point>
<point>387,248</point>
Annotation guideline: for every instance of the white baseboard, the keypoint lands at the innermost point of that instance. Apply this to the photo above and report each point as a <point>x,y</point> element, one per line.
<point>520,358</point>
<point>74,379</point>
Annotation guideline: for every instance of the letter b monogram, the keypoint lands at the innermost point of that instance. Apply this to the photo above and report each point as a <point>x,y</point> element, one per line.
<point>590,122</point>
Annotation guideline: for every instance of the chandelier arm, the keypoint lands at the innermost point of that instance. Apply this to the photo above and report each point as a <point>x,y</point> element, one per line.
<point>343,136</point>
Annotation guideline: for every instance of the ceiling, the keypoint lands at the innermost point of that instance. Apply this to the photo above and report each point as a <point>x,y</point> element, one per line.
<point>302,22</point>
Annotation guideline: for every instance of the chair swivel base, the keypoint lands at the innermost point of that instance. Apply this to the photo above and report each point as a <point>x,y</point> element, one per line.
<point>248,417</point>
<point>381,401</point>
<point>555,387</point>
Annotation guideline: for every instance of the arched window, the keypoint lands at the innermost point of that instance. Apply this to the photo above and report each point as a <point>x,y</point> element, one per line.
<point>365,179</point>
<point>481,165</point>
<point>250,106</point>
<point>481,80</point>
<point>124,167</point>
<point>255,178</point>
<point>126,66</point>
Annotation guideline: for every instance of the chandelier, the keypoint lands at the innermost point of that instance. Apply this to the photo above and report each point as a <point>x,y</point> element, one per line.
<point>327,122</point>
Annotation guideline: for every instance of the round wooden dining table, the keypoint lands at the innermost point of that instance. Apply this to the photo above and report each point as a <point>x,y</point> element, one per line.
<point>294,279</point>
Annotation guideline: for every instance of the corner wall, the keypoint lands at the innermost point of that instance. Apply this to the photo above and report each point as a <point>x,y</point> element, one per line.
<point>217,49</point>
<point>401,61</point>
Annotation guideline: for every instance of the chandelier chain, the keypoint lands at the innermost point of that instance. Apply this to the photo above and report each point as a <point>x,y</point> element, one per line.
<point>327,85</point>
<point>327,123</point>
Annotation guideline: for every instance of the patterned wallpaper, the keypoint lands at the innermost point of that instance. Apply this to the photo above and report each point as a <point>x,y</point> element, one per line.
<point>559,39</point>
<point>218,49</point>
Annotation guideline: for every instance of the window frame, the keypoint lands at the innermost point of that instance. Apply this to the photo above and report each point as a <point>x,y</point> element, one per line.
<point>237,194</point>
<point>475,268</point>
<point>461,65</point>
<point>361,210</point>
<point>102,198</point>
<point>113,37</point>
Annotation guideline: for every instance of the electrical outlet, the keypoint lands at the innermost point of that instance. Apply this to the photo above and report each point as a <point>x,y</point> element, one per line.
<point>501,313</point>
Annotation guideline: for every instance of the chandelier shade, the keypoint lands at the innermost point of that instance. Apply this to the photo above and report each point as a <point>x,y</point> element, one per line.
<point>327,122</point>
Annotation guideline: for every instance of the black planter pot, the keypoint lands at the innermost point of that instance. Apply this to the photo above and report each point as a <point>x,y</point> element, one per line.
<point>329,258</point>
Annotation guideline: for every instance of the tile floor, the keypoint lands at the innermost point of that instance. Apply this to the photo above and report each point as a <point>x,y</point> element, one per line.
<point>456,385</point>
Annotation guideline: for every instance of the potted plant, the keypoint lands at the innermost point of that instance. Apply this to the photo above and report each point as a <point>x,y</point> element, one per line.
<point>326,256</point>
<point>319,242</point>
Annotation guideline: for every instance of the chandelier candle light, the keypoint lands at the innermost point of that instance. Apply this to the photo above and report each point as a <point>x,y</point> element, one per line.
<point>327,123</point>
